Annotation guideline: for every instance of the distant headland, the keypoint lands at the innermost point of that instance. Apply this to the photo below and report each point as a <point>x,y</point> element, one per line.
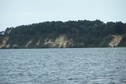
<point>70,34</point>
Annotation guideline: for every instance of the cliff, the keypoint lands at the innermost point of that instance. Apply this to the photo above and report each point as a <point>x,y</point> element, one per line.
<point>71,34</point>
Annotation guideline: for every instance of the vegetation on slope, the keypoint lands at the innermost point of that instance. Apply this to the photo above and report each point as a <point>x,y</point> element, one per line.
<point>82,33</point>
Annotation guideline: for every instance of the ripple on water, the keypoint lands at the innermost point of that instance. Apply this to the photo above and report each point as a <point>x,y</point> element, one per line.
<point>63,66</point>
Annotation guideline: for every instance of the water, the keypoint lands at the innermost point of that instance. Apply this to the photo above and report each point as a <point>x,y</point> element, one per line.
<point>63,66</point>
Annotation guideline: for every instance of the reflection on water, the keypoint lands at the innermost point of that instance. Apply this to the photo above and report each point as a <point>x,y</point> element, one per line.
<point>63,66</point>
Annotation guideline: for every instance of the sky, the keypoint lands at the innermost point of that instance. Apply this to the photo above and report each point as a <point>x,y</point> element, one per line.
<point>22,12</point>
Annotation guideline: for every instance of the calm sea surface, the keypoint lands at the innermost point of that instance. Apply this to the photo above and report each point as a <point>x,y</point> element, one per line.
<point>63,66</point>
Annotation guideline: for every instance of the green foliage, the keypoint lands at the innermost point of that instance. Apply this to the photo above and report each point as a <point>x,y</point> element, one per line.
<point>84,33</point>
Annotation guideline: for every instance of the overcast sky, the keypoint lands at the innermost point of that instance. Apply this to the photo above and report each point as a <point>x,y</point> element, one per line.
<point>19,12</point>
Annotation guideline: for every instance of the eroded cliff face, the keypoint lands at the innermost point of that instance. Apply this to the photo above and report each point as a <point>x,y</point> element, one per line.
<point>3,42</point>
<point>61,41</point>
<point>116,40</point>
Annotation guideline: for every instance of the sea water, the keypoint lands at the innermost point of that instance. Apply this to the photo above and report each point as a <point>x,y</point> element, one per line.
<point>63,66</point>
